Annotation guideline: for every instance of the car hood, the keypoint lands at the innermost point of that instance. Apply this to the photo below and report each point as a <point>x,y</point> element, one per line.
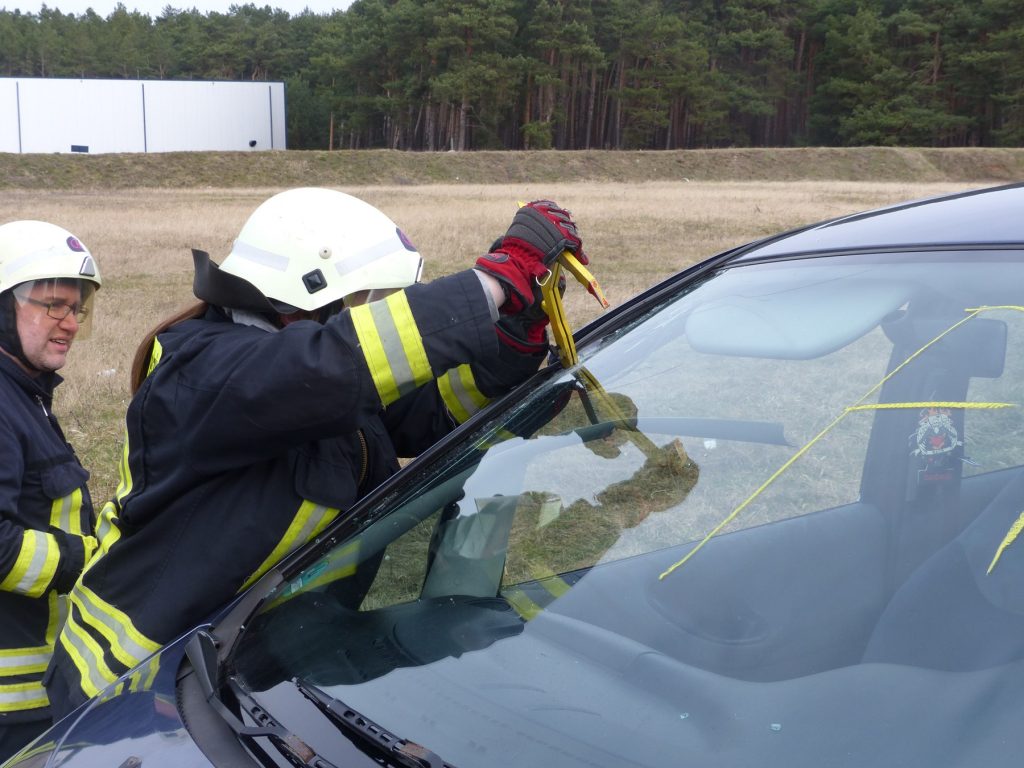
<point>132,723</point>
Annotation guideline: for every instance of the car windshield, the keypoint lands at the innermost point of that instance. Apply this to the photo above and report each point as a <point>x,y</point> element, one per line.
<point>769,519</point>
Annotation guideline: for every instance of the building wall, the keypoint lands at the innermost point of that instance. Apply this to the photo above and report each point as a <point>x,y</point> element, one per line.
<point>97,116</point>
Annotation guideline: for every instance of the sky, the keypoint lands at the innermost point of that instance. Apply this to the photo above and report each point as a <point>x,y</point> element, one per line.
<point>153,8</point>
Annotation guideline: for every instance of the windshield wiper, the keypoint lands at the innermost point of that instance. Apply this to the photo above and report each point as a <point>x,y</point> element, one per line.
<point>398,751</point>
<point>202,653</point>
<point>294,749</point>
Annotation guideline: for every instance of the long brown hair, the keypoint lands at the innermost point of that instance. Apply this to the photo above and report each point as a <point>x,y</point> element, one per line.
<point>140,364</point>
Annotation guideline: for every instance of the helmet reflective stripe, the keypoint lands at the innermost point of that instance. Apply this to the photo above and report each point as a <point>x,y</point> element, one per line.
<point>259,256</point>
<point>127,644</point>
<point>309,520</point>
<point>22,696</point>
<point>36,564</point>
<point>392,346</point>
<point>460,394</point>
<point>372,255</point>
<point>20,661</point>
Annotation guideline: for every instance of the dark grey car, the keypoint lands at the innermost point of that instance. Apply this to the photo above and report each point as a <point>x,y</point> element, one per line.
<point>770,519</point>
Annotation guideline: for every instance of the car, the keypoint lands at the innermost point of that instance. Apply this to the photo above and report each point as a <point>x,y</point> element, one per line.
<point>770,517</point>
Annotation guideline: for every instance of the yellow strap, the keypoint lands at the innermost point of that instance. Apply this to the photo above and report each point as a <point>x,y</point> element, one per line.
<point>1008,539</point>
<point>792,460</point>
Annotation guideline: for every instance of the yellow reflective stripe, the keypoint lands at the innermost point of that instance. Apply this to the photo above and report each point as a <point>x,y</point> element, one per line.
<point>107,532</point>
<point>124,472</point>
<point>127,644</point>
<point>24,661</point>
<point>20,696</point>
<point>65,513</point>
<point>1008,539</point>
<point>58,605</point>
<point>87,656</point>
<point>392,346</point>
<point>36,564</point>
<point>308,522</point>
<point>155,353</point>
<point>460,393</point>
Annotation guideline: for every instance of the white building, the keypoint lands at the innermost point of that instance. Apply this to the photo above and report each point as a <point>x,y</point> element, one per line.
<point>96,116</point>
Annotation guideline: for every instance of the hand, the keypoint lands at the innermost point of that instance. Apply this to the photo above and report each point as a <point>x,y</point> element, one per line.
<point>539,233</point>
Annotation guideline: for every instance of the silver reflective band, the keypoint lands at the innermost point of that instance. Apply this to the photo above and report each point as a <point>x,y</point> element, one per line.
<point>77,647</point>
<point>461,393</point>
<point>365,256</point>
<point>35,568</point>
<point>19,661</point>
<point>122,644</point>
<point>14,266</point>
<point>9,695</point>
<point>391,343</point>
<point>64,516</point>
<point>259,256</point>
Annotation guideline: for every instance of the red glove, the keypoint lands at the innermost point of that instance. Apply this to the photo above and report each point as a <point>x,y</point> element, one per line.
<point>540,231</point>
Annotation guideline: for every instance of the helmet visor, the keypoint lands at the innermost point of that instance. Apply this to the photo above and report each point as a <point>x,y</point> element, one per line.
<point>64,301</point>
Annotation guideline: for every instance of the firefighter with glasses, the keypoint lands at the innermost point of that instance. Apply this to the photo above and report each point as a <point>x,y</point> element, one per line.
<point>313,360</point>
<point>47,282</point>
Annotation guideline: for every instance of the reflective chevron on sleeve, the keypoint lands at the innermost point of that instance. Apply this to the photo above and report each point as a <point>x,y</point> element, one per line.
<point>35,567</point>
<point>460,393</point>
<point>392,346</point>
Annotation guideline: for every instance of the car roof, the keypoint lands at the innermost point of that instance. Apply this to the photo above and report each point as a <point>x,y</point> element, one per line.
<point>990,217</point>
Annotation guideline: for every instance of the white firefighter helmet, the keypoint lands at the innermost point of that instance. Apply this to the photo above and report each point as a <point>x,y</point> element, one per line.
<point>34,252</point>
<point>306,248</point>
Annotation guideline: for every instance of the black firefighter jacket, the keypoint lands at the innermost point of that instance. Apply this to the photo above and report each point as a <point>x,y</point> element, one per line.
<point>45,514</point>
<point>243,443</point>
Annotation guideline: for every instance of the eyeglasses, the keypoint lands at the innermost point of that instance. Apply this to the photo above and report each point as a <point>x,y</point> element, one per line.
<point>58,310</point>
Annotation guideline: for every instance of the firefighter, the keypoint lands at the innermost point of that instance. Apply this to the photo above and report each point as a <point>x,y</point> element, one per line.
<point>312,362</point>
<point>47,282</point>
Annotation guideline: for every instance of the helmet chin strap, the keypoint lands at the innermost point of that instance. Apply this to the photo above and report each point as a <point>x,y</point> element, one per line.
<point>10,341</point>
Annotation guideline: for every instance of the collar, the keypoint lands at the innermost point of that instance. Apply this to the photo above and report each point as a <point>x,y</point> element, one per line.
<point>40,386</point>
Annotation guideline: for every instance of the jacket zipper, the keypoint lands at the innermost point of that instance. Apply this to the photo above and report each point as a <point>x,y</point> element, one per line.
<point>365,468</point>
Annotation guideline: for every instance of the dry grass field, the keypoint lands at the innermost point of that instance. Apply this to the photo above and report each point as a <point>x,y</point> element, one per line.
<point>635,233</point>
